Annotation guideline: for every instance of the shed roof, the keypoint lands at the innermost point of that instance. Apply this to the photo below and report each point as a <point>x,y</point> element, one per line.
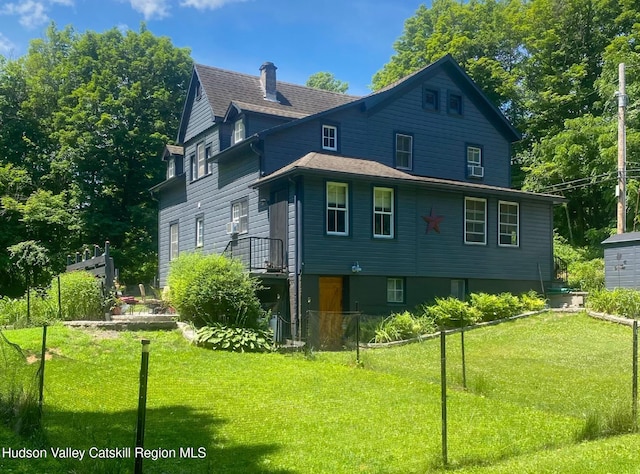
<point>622,238</point>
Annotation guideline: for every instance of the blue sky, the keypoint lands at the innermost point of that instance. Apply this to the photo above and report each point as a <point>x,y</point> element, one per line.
<point>352,39</point>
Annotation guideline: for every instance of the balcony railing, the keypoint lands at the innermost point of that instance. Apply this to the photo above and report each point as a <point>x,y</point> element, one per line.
<point>560,269</point>
<point>258,253</point>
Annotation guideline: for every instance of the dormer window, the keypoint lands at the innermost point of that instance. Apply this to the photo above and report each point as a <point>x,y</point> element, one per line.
<point>238,131</point>
<point>171,168</point>
<point>329,137</point>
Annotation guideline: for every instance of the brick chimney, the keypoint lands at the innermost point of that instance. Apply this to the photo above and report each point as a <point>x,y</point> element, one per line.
<point>268,81</point>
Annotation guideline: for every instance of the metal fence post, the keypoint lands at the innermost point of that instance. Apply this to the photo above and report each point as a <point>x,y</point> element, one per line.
<point>464,366</point>
<point>142,403</point>
<point>443,393</point>
<point>357,333</point>
<point>59,300</point>
<point>42,359</point>
<point>634,388</point>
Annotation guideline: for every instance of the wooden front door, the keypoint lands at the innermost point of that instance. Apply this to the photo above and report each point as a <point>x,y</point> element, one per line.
<point>330,312</point>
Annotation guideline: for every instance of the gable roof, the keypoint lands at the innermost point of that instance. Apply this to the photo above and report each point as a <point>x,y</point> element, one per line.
<point>375,101</point>
<point>322,163</point>
<point>222,87</point>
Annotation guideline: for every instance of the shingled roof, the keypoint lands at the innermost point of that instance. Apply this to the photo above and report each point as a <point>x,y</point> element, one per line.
<point>222,87</point>
<point>323,163</point>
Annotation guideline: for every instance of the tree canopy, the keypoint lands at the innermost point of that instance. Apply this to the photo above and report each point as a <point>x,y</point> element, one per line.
<point>83,119</point>
<point>551,67</point>
<point>327,82</point>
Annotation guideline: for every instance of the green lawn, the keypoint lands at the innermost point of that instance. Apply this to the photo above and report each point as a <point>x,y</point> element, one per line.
<point>531,382</point>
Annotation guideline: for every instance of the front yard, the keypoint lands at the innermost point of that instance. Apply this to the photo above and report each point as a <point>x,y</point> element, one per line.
<point>532,384</point>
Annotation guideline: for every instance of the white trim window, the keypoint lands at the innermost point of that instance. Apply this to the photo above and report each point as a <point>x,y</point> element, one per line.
<point>238,131</point>
<point>329,137</point>
<point>474,155</point>
<point>383,222</point>
<point>508,224</point>
<point>174,248</point>
<point>337,208</point>
<point>404,151</point>
<point>171,168</point>
<point>202,162</point>
<point>395,290</point>
<point>475,221</point>
<point>240,215</point>
<point>199,231</point>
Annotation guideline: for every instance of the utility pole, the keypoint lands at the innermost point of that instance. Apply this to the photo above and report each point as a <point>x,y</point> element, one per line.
<point>621,190</point>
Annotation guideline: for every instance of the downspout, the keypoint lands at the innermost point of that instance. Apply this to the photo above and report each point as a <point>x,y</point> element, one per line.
<point>297,254</point>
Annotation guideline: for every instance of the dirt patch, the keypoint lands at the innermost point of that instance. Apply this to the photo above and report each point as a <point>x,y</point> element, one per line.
<point>48,355</point>
<point>104,334</point>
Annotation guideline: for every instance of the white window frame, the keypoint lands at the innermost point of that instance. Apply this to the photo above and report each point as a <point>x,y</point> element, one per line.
<point>515,227</point>
<point>202,162</point>
<point>330,137</point>
<point>333,206</point>
<point>475,221</point>
<point>171,168</point>
<point>380,212</point>
<point>409,152</point>
<point>194,166</point>
<point>199,231</point>
<point>395,290</point>
<point>474,155</point>
<point>240,215</point>
<point>174,243</point>
<point>238,131</point>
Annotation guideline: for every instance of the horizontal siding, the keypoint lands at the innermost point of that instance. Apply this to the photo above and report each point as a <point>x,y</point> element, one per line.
<point>200,118</point>
<point>623,272</point>
<point>211,197</point>
<point>439,139</point>
<point>414,252</point>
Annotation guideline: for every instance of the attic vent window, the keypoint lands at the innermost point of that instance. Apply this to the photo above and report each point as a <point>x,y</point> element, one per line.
<point>198,90</point>
<point>430,99</point>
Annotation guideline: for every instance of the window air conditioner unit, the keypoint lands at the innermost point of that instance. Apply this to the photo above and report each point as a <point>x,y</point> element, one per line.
<point>232,227</point>
<point>475,171</point>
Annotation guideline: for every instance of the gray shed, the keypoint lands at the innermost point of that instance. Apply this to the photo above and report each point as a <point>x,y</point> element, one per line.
<point>622,261</point>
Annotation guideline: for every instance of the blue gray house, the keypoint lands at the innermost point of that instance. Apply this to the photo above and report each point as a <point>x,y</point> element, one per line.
<point>335,201</point>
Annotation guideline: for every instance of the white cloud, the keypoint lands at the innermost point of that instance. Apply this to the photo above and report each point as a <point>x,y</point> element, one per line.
<point>151,9</point>
<point>32,14</point>
<point>6,46</point>
<point>207,4</point>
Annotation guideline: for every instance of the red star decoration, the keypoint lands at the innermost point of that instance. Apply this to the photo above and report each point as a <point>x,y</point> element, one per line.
<point>433,221</point>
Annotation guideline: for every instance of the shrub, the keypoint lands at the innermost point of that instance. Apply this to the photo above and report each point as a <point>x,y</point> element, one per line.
<point>211,289</point>
<point>621,301</point>
<point>587,275</point>
<point>14,311</point>
<point>492,307</point>
<point>80,296</point>
<point>451,312</point>
<point>402,326</point>
<point>531,301</point>
<point>219,337</point>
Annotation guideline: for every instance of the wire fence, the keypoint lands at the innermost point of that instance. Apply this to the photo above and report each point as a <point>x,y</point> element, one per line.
<point>338,331</point>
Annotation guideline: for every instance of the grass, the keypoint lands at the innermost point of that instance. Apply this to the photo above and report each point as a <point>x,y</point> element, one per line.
<point>534,386</point>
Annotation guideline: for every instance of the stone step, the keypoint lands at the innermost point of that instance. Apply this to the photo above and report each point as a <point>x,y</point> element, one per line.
<point>138,325</point>
<point>143,317</point>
